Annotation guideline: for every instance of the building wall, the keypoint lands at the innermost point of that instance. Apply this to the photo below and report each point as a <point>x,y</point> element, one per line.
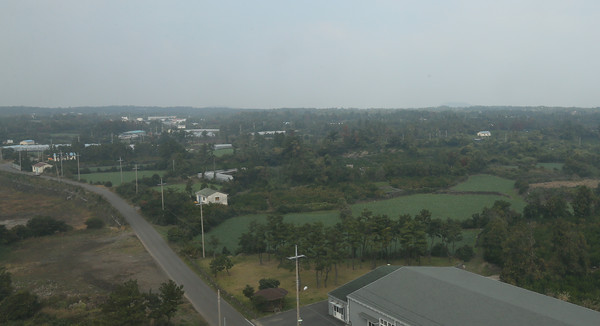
<point>357,312</point>
<point>333,302</point>
<point>222,198</point>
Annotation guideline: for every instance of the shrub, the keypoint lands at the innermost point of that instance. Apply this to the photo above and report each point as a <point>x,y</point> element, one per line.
<point>177,234</point>
<point>45,225</point>
<point>439,250</point>
<point>248,291</point>
<point>465,253</point>
<point>21,232</point>
<point>6,287</point>
<point>20,305</point>
<point>267,283</point>
<point>94,223</point>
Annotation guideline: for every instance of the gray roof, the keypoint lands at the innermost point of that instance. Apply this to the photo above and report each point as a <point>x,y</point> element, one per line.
<point>207,192</point>
<point>342,292</point>
<point>450,296</point>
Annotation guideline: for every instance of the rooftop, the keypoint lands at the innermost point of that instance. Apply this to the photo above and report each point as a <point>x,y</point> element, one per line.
<point>429,296</point>
<point>342,292</point>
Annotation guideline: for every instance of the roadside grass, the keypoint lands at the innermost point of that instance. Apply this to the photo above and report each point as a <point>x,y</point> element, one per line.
<point>115,177</point>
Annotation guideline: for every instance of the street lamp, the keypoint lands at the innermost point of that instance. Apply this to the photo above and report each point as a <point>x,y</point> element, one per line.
<point>162,193</point>
<point>296,258</point>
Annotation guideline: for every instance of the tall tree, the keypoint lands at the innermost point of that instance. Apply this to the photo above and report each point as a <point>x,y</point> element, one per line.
<point>521,264</point>
<point>570,250</point>
<point>492,238</point>
<point>171,296</point>
<point>582,202</point>
<point>126,305</point>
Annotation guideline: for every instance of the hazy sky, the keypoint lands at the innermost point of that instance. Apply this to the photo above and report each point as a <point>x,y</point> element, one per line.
<point>285,53</point>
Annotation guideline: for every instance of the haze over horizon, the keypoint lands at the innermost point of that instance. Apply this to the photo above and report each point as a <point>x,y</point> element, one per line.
<point>313,54</point>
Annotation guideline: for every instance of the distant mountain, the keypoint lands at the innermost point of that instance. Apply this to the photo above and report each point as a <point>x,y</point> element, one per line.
<point>457,104</point>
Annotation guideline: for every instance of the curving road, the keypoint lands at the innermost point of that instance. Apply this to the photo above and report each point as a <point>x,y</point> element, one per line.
<point>200,295</point>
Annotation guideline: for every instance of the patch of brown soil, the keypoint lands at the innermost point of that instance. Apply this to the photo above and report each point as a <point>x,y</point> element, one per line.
<point>18,207</point>
<point>77,262</point>
<point>590,183</point>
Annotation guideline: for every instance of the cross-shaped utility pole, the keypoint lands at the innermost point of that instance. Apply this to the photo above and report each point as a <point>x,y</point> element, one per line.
<point>296,258</point>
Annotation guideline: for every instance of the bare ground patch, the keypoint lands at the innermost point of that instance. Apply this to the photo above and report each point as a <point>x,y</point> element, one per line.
<point>80,264</point>
<point>590,183</point>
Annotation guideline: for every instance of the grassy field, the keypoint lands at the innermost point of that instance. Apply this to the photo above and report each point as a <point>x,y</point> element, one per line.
<point>221,152</point>
<point>455,206</point>
<point>247,271</point>
<point>62,138</point>
<point>229,231</point>
<point>115,177</point>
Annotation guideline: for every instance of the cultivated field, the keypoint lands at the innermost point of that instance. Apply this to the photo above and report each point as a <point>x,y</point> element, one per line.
<point>459,203</point>
<point>115,177</point>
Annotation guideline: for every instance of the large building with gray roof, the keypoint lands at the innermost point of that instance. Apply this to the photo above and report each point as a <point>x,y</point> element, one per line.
<point>433,296</point>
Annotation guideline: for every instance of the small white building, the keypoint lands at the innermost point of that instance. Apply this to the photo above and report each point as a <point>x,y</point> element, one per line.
<point>38,168</point>
<point>208,196</point>
<point>484,133</point>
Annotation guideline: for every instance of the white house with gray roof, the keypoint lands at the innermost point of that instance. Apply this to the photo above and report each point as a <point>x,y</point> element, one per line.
<point>434,296</point>
<point>208,196</point>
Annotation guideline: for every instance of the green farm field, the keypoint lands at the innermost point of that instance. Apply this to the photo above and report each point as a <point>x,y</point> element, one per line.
<point>229,231</point>
<point>221,152</point>
<point>115,177</point>
<point>459,203</point>
<point>459,206</point>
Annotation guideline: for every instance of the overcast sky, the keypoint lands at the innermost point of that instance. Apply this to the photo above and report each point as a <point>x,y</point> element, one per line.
<point>280,53</point>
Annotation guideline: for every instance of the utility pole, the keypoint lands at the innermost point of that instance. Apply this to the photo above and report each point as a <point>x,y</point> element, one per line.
<point>78,174</point>
<point>162,193</point>
<point>296,258</point>
<point>62,173</point>
<point>121,169</point>
<point>201,225</point>
<point>136,184</point>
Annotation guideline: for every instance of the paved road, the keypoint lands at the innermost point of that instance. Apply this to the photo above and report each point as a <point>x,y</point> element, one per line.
<point>201,296</point>
<point>312,315</point>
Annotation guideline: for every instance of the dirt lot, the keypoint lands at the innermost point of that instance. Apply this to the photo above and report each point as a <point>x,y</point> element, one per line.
<point>590,183</point>
<point>80,264</point>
